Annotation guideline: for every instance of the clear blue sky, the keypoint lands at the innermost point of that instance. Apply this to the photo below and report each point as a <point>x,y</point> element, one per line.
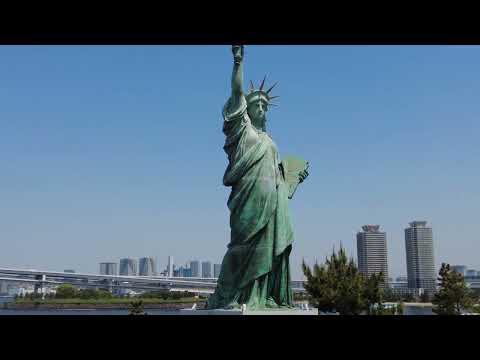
<point>114,151</point>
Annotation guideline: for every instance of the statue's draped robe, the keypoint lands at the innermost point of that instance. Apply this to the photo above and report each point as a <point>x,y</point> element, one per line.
<point>255,270</point>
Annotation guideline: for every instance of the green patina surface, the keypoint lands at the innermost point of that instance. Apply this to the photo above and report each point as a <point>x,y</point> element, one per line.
<point>255,270</point>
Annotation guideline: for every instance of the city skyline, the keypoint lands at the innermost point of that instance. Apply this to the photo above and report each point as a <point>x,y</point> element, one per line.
<point>117,151</point>
<point>147,266</point>
<point>198,264</point>
<point>368,267</point>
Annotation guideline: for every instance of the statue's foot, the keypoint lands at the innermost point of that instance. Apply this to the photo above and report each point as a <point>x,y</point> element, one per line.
<point>233,305</point>
<point>286,306</point>
<point>271,304</point>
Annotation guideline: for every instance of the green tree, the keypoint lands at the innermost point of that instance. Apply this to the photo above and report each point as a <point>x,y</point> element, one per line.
<point>336,285</point>
<point>66,291</point>
<point>104,294</point>
<point>389,295</point>
<point>137,308</point>
<point>476,293</point>
<point>87,294</point>
<point>453,296</point>
<point>373,292</point>
<point>400,308</point>
<point>150,295</point>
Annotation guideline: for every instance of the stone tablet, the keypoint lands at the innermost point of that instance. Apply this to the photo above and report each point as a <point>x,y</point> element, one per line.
<point>292,167</point>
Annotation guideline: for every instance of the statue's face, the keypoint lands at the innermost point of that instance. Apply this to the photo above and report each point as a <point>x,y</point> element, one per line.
<point>257,111</point>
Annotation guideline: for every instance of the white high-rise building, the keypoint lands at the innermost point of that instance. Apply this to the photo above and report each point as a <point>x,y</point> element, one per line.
<point>108,268</point>
<point>128,267</point>
<point>170,266</point>
<point>147,267</point>
<point>420,260</point>
<point>372,251</point>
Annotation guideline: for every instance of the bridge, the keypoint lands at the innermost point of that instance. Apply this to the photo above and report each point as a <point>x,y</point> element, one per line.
<point>146,283</point>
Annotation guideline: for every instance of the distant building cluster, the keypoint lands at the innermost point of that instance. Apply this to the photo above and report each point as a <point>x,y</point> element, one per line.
<point>196,269</point>
<point>13,288</point>
<point>465,271</point>
<point>372,259</point>
<point>147,266</point>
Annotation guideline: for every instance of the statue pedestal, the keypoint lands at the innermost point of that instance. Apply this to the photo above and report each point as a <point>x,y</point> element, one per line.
<point>249,312</point>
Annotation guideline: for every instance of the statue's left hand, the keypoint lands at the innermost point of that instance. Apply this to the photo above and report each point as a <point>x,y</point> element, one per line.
<point>303,175</point>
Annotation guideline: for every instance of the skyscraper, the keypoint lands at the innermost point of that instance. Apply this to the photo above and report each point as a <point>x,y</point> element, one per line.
<point>170,266</point>
<point>216,270</point>
<point>147,267</point>
<point>206,269</point>
<point>178,272</point>
<point>128,267</point>
<point>108,268</point>
<point>195,267</point>
<point>372,251</point>
<point>420,262</point>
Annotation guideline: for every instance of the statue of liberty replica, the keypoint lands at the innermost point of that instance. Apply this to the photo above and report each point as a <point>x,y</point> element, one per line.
<point>255,270</point>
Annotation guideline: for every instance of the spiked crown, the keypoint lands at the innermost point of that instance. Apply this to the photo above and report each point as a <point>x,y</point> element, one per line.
<point>259,94</point>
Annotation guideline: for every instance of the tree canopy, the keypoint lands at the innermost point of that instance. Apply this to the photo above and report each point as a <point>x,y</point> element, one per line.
<point>338,286</point>
<point>66,291</point>
<point>453,297</point>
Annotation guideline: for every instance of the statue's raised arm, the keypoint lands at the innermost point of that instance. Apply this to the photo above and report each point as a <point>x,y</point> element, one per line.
<point>237,74</point>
